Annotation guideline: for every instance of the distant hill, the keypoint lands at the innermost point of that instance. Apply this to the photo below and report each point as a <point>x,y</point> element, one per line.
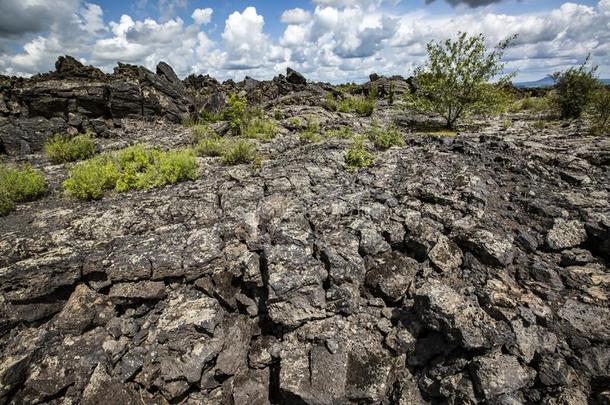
<point>545,82</point>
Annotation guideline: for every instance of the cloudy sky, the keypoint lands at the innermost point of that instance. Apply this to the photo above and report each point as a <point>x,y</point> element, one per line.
<point>328,40</point>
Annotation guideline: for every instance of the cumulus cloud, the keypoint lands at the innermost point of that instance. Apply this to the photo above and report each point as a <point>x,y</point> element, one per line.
<point>18,18</point>
<point>202,16</point>
<point>337,41</point>
<point>245,42</point>
<point>295,16</point>
<point>469,3</point>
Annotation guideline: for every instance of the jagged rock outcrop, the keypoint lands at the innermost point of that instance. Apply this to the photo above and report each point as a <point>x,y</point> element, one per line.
<point>79,98</point>
<point>467,269</point>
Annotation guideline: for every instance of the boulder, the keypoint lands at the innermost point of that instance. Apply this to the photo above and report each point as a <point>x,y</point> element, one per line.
<point>566,234</point>
<point>295,77</point>
<point>446,255</point>
<point>165,70</point>
<point>498,374</point>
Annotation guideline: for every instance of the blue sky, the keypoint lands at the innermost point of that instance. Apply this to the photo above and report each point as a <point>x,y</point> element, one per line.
<point>328,40</point>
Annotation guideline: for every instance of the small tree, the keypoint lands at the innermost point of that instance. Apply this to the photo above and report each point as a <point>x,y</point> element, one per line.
<point>455,79</point>
<point>574,88</point>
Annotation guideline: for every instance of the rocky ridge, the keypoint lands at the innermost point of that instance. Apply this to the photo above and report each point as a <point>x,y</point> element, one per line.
<point>467,269</point>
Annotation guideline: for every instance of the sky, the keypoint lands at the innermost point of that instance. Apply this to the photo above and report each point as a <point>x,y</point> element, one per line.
<point>327,40</point>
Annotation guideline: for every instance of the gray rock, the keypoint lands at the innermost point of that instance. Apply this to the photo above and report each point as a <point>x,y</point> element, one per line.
<point>391,275</point>
<point>458,317</point>
<point>566,234</point>
<point>498,374</point>
<point>146,290</point>
<point>494,249</point>
<point>295,77</point>
<point>588,320</point>
<point>446,255</point>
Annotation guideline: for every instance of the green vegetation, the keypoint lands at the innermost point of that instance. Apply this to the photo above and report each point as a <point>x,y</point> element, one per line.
<point>212,117</point>
<point>295,122</point>
<point>574,89</point>
<point>343,132</point>
<point>540,125</point>
<point>357,155</point>
<point>455,79</point>
<point>311,134</point>
<point>65,148</point>
<point>531,104</point>
<point>599,112</point>
<point>18,185</point>
<point>239,151</point>
<point>211,147</point>
<point>260,128</point>
<point>385,138</point>
<point>232,150</point>
<point>331,102</point>
<point>360,105</point>
<point>135,167</point>
<point>236,113</point>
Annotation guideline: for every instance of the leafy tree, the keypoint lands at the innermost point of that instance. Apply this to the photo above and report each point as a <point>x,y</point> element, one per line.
<point>455,79</point>
<point>574,88</point>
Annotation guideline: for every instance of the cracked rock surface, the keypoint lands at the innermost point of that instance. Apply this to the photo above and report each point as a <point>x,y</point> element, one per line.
<point>455,270</point>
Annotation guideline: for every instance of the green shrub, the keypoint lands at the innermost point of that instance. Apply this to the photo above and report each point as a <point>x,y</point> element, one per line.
<point>330,103</point>
<point>236,113</point>
<point>201,130</point>
<point>343,132</point>
<point>212,117</point>
<point>278,115</point>
<point>239,151</point>
<point>211,147</point>
<point>362,106</point>
<point>532,105</point>
<point>295,122</point>
<point>599,112</point>
<point>311,133</point>
<point>89,180</point>
<point>260,128</point>
<point>455,79</point>
<point>135,167</point>
<point>385,138</point>
<point>357,155</point>
<point>574,88</point>
<point>64,148</point>
<point>18,185</point>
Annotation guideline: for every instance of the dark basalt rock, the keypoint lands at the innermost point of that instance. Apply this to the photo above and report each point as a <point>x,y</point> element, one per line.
<point>295,77</point>
<point>459,270</point>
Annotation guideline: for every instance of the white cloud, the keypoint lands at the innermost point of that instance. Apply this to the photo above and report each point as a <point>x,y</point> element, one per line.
<point>339,40</point>
<point>295,16</point>
<point>202,16</point>
<point>245,42</point>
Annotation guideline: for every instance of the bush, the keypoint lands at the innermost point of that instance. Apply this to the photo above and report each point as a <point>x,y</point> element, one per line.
<point>343,132</point>
<point>236,113</point>
<point>385,138</point>
<point>311,134</point>
<point>599,112</point>
<point>18,185</point>
<point>260,128</point>
<point>358,156</point>
<point>532,105</point>
<point>211,147</point>
<point>574,88</point>
<point>330,103</point>
<point>362,106</point>
<point>134,167</point>
<point>454,81</point>
<point>239,151</point>
<point>64,148</point>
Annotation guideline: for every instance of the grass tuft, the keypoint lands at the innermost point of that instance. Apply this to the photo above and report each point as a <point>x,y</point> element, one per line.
<point>362,106</point>
<point>385,138</point>
<point>358,156</point>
